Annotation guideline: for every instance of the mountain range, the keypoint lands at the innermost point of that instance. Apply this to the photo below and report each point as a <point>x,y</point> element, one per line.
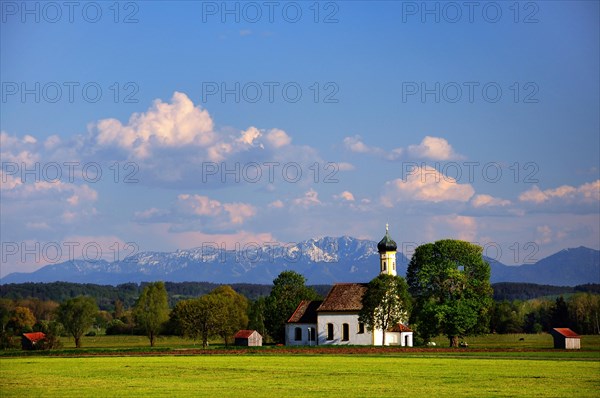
<point>322,261</point>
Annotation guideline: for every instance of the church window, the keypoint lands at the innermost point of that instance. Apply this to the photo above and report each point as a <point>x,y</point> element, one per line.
<point>361,328</point>
<point>330,331</point>
<point>298,334</point>
<point>345,332</point>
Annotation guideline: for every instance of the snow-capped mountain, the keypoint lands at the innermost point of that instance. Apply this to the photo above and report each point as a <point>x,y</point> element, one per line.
<point>322,261</point>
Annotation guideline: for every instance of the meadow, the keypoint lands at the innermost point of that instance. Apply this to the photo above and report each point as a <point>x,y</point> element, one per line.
<point>533,369</point>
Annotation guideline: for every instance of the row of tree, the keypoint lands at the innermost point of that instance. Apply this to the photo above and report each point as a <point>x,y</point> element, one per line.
<point>447,291</point>
<point>580,312</point>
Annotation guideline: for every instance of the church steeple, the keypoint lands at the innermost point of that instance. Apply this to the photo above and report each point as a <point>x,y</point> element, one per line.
<point>387,254</point>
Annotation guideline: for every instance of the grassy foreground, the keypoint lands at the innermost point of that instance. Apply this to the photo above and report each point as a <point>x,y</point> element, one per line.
<point>284,375</point>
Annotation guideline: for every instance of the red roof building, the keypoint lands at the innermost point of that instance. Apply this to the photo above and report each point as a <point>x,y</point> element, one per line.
<point>31,341</point>
<point>250,338</point>
<point>566,339</point>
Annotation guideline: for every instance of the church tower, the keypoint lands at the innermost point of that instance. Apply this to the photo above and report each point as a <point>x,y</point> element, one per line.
<point>387,254</point>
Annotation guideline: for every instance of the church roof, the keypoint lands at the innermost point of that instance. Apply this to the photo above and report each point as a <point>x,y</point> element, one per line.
<point>386,244</point>
<point>344,297</point>
<point>400,327</point>
<point>306,312</point>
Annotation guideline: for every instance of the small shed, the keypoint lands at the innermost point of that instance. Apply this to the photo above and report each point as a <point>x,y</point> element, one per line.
<point>32,341</point>
<point>250,338</point>
<point>566,339</point>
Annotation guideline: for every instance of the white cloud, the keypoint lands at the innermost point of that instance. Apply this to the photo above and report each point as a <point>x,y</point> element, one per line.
<point>278,138</point>
<point>248,136</point>
<point>345,166</point>
<point>488,201</point>
<point>585,193</point>
<point>239,212</point>
<point>174,124</point>
<point>188,208</point>
<point>425,184</point>
<point>345,195</point>
<point>433,148</point>
<point>277,204</point>
<point>310,198</point>
<point>355,144</point>
<point>198,205</point>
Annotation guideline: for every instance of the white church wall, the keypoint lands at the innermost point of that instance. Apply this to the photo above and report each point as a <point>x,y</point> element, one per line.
<point>305,331</point>
<point>338,320</point>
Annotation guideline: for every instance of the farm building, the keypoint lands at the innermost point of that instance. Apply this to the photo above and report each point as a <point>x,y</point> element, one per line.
<point>335,319</point>
<point>250,338</point>
<point>566,339</point>
<point>31,341</point>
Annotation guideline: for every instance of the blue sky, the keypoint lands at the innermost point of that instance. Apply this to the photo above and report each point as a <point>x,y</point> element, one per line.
<point>391,112</point>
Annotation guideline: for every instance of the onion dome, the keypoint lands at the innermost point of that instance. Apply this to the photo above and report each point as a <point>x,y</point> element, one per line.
<point>386,244</point>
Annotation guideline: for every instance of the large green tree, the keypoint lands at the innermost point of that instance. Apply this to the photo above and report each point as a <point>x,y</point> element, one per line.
<point>232,311</point>
<point>288,291</point>
<point>77,315</point>
<point>151,310</point>
<point>199,317</point>
<point>450,282</point>
<point>385,303</point>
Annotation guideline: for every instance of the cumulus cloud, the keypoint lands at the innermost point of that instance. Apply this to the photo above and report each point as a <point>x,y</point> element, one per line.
<point>433,148</point>
<point>345,195</point>
<point>310,198</point>
<point>278,138</point>
<point>277,204</point>
<point>585,193</point>
<point>188,208</point>
<point>488,201</point>
<point>345,166</point>
<point>425,184</point>
<point>174,124</point>
<point>355,144</point>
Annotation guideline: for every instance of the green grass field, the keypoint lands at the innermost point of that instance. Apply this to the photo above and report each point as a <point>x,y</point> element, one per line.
<point>285,375</point>
<point>511,369</point>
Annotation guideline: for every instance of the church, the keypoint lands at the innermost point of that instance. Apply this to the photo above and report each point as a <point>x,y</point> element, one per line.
<point>335,319</point>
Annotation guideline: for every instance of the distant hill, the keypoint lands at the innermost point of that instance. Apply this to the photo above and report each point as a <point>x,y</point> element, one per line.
<point>322,261</point>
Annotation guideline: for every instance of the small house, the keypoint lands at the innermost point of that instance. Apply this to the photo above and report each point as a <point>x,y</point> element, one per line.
<point>32,341</point>
<point>566,339</point>
<point>250,338</point>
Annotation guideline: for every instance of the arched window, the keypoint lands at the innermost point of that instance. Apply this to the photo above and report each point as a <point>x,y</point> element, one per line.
<point>298,334</point>
<point>330,331</point>
<point>384,268</point>
<point>345,332</point>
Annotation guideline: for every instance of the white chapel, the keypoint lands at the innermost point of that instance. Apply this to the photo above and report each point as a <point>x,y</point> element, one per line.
<point>335,319</point>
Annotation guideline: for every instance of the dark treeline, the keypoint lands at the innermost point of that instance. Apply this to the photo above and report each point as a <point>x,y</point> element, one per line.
<point>201,310</point>
<point>526,291</point>
<point>128,293</point>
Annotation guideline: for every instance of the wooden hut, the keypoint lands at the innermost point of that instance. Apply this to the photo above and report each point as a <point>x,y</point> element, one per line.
<point>32,341</point>
<point>566,339</point>
<point>250,338</point>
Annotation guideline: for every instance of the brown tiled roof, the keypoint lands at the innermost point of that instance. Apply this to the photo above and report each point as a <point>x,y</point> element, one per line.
<point>344,297</point>
<point>243,334</point>
<point>35,336</point>
<point>306,312</point>
<point>400,328</point>
<point>566,332</point>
